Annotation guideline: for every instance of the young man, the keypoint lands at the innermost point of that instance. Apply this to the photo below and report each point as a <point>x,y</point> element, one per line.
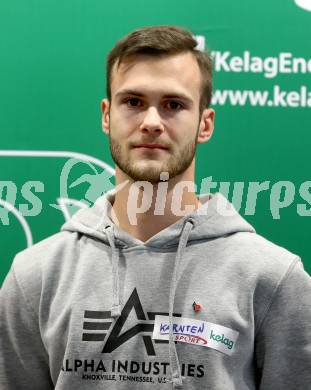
<point>182,295</point>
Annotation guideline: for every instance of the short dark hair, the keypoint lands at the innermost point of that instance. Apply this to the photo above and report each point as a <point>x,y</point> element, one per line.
<point>159,41</point>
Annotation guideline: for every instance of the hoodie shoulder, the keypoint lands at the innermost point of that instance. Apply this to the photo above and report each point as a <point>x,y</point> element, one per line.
<point>43,251</point>
<point>261,266</point>
<point>33,266</point>
<point>262,252</point>
<point>258,261</point>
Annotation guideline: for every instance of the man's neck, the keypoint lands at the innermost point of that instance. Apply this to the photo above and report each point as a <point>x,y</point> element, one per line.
<point>145,212</point>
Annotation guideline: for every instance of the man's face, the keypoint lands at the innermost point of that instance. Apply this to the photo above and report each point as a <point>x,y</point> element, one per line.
<point>154,101</point>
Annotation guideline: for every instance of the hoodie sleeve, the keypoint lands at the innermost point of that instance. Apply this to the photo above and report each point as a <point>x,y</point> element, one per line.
<point>23,358</point>
<point>283,342</point>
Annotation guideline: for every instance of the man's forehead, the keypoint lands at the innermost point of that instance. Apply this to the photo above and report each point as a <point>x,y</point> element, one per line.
<point>180,70</point>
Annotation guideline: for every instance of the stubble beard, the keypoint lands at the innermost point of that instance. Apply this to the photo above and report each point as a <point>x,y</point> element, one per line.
<point>176,164</point>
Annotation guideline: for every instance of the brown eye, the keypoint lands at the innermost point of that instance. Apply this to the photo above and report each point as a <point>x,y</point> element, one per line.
<point>173,105</point>
<point>133,102</point>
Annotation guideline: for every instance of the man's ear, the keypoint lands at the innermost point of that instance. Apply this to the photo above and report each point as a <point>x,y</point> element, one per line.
<point>206,126</point>
<point>105,106</point>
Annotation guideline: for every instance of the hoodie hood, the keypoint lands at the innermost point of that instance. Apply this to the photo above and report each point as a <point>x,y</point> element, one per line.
<point>216,217</point>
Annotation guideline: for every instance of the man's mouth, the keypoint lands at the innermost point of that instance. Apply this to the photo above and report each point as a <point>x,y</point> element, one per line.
<point>151,146</point>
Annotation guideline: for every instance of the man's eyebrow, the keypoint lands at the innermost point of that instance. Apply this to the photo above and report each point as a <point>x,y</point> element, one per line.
<point>129,92</point>
<point>178,95</point>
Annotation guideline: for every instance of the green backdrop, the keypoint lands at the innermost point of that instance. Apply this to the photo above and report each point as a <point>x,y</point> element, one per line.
<point>52,77</point>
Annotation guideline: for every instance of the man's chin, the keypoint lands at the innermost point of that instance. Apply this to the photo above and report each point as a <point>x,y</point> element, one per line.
<point>153,179</point>
<point>150,175</point>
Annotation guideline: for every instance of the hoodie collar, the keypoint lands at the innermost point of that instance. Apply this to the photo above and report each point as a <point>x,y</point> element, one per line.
<point>215,217</point>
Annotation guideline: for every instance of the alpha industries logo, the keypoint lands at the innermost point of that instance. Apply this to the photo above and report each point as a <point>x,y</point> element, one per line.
<point>101,321</point>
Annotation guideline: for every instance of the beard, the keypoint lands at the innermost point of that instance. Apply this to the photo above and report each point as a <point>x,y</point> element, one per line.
<point>176,164</point>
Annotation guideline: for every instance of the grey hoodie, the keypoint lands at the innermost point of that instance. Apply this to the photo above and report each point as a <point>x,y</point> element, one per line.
<point>204,304</point>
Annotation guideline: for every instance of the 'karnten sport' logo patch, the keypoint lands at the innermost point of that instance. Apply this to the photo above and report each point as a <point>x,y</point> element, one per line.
<point>196,332</point>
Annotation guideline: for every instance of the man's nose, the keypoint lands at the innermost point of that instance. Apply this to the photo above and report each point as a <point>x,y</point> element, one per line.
<point>152,121</point>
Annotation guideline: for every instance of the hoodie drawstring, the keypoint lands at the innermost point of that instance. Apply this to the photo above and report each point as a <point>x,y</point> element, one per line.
<point>177,378</point>
<point>116,306</point>
<point>174,361</point>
